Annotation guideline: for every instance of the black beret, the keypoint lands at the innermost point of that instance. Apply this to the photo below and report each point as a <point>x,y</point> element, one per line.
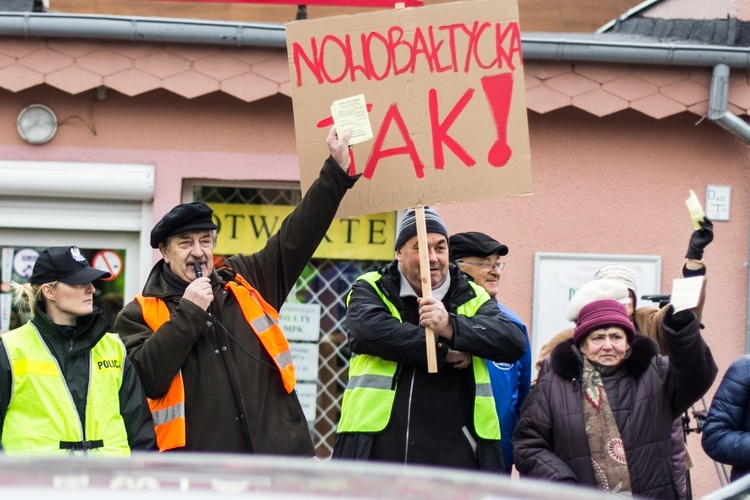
<point>195,216</point>
<point>474,244</point>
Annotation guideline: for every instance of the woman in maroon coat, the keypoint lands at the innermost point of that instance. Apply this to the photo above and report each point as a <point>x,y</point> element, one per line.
<point>601,413</point>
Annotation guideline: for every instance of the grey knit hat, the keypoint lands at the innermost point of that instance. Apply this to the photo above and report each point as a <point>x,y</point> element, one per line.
<point>620,273</point>
<point>408,227</point>
<point>597,290</point>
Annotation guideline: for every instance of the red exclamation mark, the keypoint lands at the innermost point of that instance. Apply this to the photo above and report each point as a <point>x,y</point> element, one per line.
<point>499,90</point>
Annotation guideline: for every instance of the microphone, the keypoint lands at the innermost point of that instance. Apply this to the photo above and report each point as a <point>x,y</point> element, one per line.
<point>197,267</point>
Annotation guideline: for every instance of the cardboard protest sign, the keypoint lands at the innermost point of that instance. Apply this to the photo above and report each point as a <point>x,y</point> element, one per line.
<point>444,87</point>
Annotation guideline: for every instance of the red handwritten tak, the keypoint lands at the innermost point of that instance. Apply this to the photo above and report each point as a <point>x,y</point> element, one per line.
<point>498,89</point>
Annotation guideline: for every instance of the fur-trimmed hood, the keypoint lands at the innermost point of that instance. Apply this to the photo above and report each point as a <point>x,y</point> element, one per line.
<point>567,361</point>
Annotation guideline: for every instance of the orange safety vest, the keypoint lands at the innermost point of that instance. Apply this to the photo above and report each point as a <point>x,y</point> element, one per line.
<point>169,411</point>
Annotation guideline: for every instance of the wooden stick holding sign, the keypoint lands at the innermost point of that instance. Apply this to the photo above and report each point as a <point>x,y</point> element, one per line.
<point>424,268</point>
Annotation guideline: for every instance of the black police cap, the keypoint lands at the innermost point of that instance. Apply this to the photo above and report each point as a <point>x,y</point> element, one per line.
<point>65,264</point>
<point>184,218</point>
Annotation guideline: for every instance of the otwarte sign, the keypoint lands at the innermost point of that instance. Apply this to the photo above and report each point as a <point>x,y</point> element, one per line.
<point>246,228</point>
<point>445,91</point>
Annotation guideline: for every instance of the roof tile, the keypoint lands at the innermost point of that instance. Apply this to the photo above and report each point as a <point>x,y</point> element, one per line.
<point>546,69</point>
<point>736,109</point>
<point>701,75</point>
<point>254,56</point>
<point>134,50</point>
<point>104,62</point>
<point>687,92</point>
<point>544,99</point>
<point>73,80</point>
<point>286,89</point>
<point>601,73</point>
<point>221,66</point>
<point>73,48</point>
<point>531,82</point>
<point>600,103</point>
<point>162,64</point>
<point>249,87</point>
<point>630,88</point>
<point>660,76</point>
<point>46,60</point>
<point>20,47</point>
<point>132,82</point>
<point>193,52</point>
<point>658,106</point>
<point>16,78</point>
<point>700,109</point>
<point>571,84</point>
<point>276,69</point>
<point>740,96</point>
<point>6,60</point>
<point>191,84</point>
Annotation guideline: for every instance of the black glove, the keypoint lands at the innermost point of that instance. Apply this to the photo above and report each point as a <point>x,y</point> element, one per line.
<point>700,239</point>
<point>678,321</point>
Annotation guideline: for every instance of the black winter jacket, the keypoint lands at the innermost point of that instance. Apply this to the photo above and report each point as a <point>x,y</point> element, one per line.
<point>71,347</point>
<point>726,432</point>
<point>646,394</point>
<point>234,397</point>
<point>431,409</point>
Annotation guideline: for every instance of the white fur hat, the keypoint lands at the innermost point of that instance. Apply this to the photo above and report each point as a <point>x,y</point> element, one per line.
<point>597,290</point>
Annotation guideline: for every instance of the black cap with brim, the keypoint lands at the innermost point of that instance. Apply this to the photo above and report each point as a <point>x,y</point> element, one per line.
<point>474,244</point>
<point>183,218</point>
<point>65,264</point>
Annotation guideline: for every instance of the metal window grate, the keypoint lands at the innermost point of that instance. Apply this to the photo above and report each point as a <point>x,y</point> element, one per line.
<point>324,282</point>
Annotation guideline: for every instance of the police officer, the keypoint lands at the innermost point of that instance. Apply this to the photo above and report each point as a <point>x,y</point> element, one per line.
<point>66,386</point>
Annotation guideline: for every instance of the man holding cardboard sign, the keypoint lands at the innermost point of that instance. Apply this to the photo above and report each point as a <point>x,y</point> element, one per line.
<point>394,410</point>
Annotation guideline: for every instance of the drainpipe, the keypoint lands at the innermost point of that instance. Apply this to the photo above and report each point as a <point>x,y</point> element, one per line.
<point>717,105</point>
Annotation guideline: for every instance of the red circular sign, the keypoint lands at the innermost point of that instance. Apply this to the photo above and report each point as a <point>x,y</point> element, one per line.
<point>110,261</point>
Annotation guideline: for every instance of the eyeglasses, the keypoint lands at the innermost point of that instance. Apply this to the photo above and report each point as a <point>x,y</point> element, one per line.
<point>486,266</point>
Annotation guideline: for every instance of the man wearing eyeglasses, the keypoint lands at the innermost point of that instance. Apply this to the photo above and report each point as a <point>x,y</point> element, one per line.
<point>393,409</point>
<point>478,255</point>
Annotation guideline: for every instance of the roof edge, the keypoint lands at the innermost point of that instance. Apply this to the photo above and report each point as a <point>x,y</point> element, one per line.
<point>142,29</point>
<point>570,47</point>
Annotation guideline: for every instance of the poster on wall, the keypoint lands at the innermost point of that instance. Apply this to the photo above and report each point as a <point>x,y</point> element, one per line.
<point>444,88</point>
<point>557,277</point>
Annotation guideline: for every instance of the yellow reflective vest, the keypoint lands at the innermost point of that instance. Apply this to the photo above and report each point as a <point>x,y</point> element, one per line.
<point>371,390</point>
<point>42,419</point>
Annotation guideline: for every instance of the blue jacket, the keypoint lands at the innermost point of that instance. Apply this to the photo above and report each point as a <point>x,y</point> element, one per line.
<point>511,384</point>
<point>726,432</point>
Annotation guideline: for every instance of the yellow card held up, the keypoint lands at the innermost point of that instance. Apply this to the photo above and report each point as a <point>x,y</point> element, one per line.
<point>696,212</point>
<point>351,114</point>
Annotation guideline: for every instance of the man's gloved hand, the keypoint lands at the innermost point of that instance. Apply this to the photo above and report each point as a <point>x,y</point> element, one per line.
<point>700,240</point>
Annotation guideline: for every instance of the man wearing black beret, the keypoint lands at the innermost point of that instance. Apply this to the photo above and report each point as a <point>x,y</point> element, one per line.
<point>206,342</point>
<point>478,255</point>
